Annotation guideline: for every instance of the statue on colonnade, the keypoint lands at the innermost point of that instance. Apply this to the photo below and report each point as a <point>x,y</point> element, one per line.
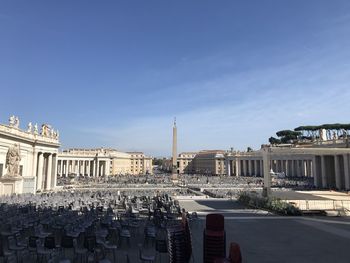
<point>13,158</point>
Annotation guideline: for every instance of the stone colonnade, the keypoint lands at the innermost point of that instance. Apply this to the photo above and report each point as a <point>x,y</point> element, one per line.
<point>92,167</point>
<point>328,168</point>
<point>332,171</point>
<point>291,167</point>
<point>45,169</point>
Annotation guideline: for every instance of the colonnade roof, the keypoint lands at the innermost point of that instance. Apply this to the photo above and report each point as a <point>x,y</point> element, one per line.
<point>19,135</point>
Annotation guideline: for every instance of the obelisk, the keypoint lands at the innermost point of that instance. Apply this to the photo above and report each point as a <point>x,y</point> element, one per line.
<point>174,153</point>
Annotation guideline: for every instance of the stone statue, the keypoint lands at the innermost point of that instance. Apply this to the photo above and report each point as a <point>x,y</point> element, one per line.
<point>52,133</point>
<point>30,127</point>
<point>57,135</point>
<point>16,122</point>
<point>36,130</point>
<point>334,137</point>
<point>345,134</point>
<point>12,120</point>
<point>44,130</point>
<point>13,158</point>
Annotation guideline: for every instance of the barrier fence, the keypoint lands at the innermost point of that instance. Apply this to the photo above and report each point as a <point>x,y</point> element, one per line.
<point>321,204</point>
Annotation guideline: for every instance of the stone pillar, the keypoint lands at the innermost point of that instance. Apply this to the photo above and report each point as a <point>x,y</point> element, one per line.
<point>237,168</point>
<point>106,173</point>
<point>310,168</point>
<point>337,172</point>
<point>244,167</point>
<point>88,168</point>
<point>228,164</point>
<point>67,167</point>
<point>303,168</point>
<point>94,168</point>
<point>346,171</point>
<point>267,175</point>
<point>293,166</point>
<point>35,164</point>
<point>323,172</point>
<point>54,174</point>
<point>256,168</point>
<point>49,172</point>
<point>40,171</point>
<point>97,168</point>
<point>286,167</point>
<point>61,168</point>
<point>261,168</point>
<point>297,168</point>
<point>249,167</point>
<point>314,171</point>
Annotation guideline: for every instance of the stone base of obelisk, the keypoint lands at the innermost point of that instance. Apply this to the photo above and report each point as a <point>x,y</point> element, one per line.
<point>11,185</point>
<point>266,192</point>
<point>174,178</point>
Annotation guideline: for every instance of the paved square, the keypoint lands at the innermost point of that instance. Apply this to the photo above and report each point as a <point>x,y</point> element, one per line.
<point>269,238</point>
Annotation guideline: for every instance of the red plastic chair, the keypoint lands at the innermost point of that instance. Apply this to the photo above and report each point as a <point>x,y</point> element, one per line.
<point>215,222</point>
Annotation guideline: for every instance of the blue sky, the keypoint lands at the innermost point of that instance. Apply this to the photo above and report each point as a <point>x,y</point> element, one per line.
<point>115,73</point>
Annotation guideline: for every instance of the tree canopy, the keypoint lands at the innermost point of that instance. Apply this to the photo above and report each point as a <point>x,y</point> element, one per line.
<point>310,132</point>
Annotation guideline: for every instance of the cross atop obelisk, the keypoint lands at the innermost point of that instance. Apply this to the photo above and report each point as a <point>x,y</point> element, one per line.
<point>174,153</point>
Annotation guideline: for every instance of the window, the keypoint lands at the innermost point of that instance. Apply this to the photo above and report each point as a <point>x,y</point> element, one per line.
<point>21,170</point>
<point>1,168</point>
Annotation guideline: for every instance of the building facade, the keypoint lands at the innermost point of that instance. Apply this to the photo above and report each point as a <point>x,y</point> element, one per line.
<point>140,164</point>
<point>210,162</point>
<point>102,162</point>
<point>28,158</point>
<point>185,163</point>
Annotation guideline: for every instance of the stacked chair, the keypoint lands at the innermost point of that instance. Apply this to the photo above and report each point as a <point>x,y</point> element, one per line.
<point>214,238</point>
<point>179,242</point>
<point>235,255</point>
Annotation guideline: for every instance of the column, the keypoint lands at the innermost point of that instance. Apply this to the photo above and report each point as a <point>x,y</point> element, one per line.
<point>35,164</point>
<point>54,174</point>
<point>228,165</point>
<point>84,167</point>
<point>256,168</point>
<point>244,167</point>
<point>97,168</point>
<point>237,168</point>
<point>61,168</point>
<point>40,171</point>
<point>67,167</point>
<point>267,175</point>
<point>286,167</point>
<point>293,166</point>
<point>309,170</point>
<point>337,172</point>
<point>346,171</point>
<point>106,173</point>
<point>323,171</point>
<point>78,167</point>
<point>49,172</point>
<point>283,166</point>
<point>250,167</point>
<point>261,168</point>
<point>297,168</point>
<point>94,168</point>
<point>87,168</point>
<point>314,171</point>
<point>302,168</point>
